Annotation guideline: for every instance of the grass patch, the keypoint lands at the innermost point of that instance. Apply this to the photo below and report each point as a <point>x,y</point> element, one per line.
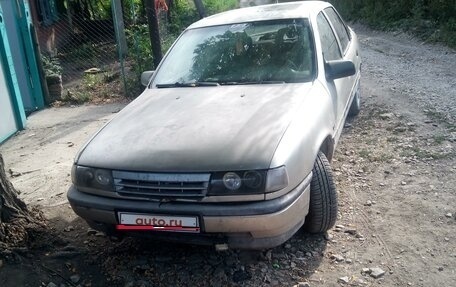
<point>439,139</point>
<point>392,139</point>
<point>422,154</point>
<point>440,118</point>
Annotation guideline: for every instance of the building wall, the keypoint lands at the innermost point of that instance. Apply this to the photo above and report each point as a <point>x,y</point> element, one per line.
<point>18,30</point>
<point>12,113</point>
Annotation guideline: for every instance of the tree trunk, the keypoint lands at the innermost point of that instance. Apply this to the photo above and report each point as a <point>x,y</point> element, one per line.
<point>15,218</point>
<point>154,33</point>
<point>200,7</point>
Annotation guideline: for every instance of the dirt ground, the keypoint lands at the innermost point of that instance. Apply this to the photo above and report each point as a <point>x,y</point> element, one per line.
<point>395,171</point>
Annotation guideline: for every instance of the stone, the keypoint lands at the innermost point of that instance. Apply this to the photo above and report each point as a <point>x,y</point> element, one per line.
<point>303,284</point>
<point>344,280</point>
<point>365,271</point>
<point>368,203</point>
<point>51,284</point>
<point>449,215</point>
<point>440,269</point>
<point>400,129</point>
<point>348,260</point>
<point>91,231</point>
<point>386,116</point>
<point>403,183</point>
<point>68,228</point>
<point>93,71</point>
<point>328,236</point>
<point>376,272</point>
<point>337,257</point>
<point>75,278</point>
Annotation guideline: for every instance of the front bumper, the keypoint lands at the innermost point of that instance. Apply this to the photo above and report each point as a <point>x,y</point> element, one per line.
<point>252,225</point>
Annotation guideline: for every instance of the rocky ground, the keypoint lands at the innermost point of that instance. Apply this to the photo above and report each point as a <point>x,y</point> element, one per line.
<point>395,171</point>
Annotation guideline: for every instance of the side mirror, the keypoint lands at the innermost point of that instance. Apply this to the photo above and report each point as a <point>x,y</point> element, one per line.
<point>145,77</point>
<point>339,69</point>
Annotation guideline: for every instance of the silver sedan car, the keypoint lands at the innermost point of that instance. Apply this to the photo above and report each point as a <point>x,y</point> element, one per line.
<point>230,143</point>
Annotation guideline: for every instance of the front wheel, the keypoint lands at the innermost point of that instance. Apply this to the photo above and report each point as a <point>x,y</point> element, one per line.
<point>323,197</point>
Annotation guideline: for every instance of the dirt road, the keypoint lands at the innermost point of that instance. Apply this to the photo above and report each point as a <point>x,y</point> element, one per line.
<point>395,169</point>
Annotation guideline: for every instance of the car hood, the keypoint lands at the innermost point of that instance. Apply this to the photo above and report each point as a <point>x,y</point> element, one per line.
<point>197,129</point>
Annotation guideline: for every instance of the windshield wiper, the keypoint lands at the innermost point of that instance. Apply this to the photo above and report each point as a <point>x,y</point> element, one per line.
<point>252,83</point>
<point>183,85</point>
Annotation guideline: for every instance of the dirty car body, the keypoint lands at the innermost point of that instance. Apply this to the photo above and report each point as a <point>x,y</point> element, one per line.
<point>223,144</point>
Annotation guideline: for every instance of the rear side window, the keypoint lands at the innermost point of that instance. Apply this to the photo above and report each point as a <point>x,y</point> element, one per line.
<point>328,40</point>
<point>339,27</point>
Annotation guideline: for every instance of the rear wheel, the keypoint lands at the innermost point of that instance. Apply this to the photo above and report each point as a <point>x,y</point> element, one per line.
<point>323,197</point>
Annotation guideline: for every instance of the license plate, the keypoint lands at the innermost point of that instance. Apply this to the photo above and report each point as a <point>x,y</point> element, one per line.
<point>157,222</point>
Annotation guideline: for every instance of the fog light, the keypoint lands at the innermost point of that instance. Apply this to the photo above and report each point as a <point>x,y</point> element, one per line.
<point>232,181</point>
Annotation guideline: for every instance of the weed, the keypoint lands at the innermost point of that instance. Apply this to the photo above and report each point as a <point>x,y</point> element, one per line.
<point>439,139</point>
<point>425,154</point>
<point>364,153</point>
<point>392,139</point>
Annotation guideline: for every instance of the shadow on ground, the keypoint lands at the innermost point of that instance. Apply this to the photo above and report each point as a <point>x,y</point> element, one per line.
<point>70,253</point>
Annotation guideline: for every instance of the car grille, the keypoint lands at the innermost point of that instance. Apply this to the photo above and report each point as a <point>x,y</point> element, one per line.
<point>160,185</point>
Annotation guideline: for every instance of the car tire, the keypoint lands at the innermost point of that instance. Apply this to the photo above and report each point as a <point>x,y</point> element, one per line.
<point>323,197</point>
<point>356,103</point>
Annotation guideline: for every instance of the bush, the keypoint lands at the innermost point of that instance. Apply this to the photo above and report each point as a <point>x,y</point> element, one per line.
<point>433,20</point>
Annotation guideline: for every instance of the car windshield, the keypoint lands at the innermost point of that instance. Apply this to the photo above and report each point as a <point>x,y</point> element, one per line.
<point>248,53</point>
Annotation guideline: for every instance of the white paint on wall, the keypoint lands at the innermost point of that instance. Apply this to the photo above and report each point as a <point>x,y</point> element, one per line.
<point>7,120</point>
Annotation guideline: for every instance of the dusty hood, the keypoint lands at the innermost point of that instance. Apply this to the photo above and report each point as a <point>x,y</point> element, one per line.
<point>197,129</point>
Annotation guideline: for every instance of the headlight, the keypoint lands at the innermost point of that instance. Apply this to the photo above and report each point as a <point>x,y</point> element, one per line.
<point>253,179</point>
<point>232,181</point>
<point>237,183</point>
<point>248,182</point>
<point>87,177</point>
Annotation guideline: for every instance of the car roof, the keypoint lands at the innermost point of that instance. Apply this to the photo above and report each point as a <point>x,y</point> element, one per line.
<point>289,10</point>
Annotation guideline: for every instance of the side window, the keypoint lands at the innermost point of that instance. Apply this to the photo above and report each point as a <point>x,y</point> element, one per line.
<point>339,27</point>
<point>328,41</point>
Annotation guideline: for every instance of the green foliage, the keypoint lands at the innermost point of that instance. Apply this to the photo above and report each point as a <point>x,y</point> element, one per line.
<point>100,9</point>
<point>433,20</point>
<point>217,6</point>
<point>182,14</point>
<point>139,46</point>
<point>51,65</point>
